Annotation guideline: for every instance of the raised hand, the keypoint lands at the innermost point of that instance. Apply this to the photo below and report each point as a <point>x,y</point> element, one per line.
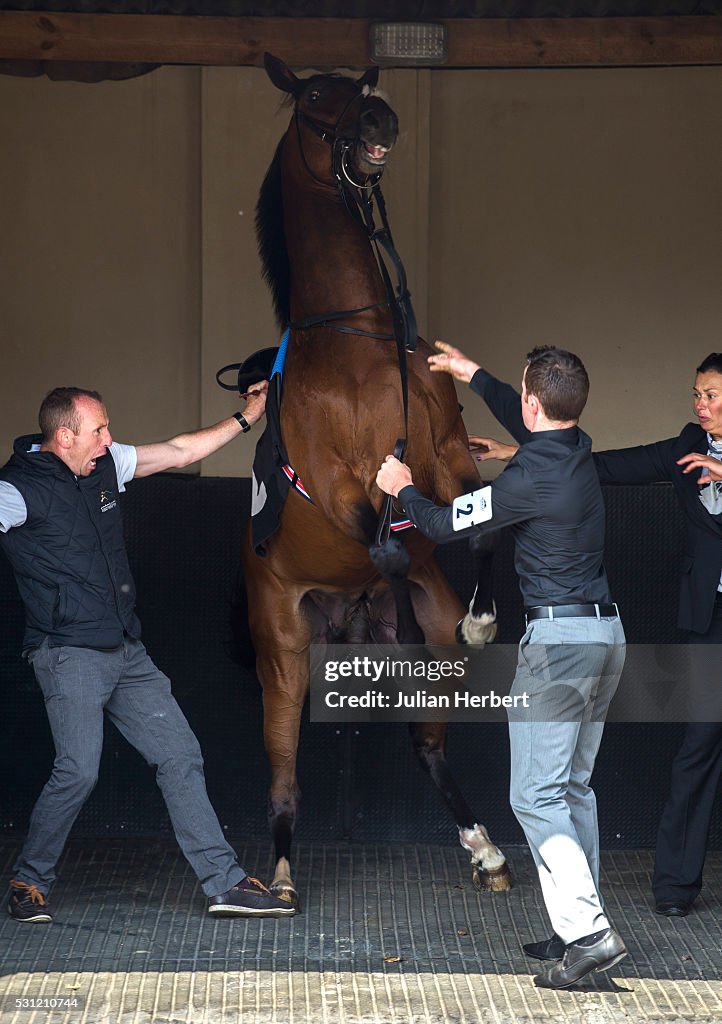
<point>452,360</point>
<point>712,466</point>
<point>485,448</point>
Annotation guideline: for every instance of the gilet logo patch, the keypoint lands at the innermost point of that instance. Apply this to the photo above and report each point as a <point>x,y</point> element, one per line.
<point>107,501</point>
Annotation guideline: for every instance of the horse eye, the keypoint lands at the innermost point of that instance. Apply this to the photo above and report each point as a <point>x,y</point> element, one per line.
<point>315,94</point>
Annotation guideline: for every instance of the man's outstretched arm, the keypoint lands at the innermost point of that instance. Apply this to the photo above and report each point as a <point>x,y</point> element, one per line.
<point>185,449</point>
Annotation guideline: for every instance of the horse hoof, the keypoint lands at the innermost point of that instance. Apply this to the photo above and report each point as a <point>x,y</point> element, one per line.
<point>287,895</point>
<point>492,880</point>
<point>476,632</point>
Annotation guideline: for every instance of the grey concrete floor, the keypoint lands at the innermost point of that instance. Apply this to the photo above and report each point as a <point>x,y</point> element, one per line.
<point>387,934</point>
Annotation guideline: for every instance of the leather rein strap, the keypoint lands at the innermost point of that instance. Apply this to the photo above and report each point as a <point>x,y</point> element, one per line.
<point>360,206</point>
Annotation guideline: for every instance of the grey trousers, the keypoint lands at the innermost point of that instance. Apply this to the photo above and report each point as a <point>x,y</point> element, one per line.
<point>570,669</point>
<point>80,685</point>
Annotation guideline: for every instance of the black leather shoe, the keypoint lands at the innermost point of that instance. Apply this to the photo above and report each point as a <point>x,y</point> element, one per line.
<point>672,908</point>
<point>549,949</point>
<point>578,961</point>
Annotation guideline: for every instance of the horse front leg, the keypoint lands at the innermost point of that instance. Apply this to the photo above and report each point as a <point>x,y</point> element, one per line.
<point>455,475</point>
<point>478,626</point>
<point>489,870</point>
<point>438,609</point>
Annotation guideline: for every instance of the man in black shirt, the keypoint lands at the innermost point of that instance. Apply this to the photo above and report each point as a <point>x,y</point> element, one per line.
<point>549,495</point>
<point>697,767</point>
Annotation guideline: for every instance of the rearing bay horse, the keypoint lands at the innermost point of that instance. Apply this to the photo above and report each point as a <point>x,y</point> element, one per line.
<point>322,575</point>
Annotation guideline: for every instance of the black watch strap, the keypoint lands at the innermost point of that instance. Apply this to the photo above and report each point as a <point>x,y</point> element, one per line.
<point>245,425</point>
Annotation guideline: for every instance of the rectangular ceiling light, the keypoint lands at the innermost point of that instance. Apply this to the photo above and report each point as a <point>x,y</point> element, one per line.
<point>407,42</point>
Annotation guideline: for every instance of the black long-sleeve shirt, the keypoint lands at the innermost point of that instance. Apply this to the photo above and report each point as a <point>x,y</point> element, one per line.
<point>550,497</point>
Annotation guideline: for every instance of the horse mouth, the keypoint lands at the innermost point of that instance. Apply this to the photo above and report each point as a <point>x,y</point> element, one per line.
<point>375,155</point>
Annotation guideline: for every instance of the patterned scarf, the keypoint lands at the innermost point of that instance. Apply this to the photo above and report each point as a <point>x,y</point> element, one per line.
<point>711,494</point>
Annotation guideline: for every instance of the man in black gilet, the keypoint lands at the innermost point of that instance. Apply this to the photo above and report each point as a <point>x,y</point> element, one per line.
<point>60,527</point>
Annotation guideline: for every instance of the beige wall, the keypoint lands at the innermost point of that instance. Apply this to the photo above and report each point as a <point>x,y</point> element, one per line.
<point>586,210</point>
<point>100,248</point>
<point>577,207</point>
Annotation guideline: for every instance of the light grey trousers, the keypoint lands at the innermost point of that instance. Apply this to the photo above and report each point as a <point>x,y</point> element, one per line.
<point>570,669</point>
<point>80,686</point>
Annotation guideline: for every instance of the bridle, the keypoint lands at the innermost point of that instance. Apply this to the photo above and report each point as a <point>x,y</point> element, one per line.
<point>359,204</point>
<point>340,145</point>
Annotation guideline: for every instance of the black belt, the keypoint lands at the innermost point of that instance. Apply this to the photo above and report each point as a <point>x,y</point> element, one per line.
<point>565,611</point>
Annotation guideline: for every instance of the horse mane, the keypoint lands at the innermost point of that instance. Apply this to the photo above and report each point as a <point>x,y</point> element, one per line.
<point>271,239</point>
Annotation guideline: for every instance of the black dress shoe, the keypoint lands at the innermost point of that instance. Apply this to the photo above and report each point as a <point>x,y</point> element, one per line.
<point>672,908</point>
<point>578,961</point>
<point>549,949</point>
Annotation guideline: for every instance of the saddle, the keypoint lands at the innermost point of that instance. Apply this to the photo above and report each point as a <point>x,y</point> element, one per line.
<point>253,370</point>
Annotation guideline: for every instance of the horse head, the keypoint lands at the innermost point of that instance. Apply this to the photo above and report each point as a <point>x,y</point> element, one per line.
<point>345,113</point>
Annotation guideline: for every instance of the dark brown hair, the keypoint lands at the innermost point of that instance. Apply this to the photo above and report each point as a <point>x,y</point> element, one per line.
<point>560,382</point>
<point>58,410</point>
<point>712,362</point>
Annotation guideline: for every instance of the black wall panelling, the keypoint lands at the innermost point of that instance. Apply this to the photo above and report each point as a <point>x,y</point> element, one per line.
<point>184,536</point>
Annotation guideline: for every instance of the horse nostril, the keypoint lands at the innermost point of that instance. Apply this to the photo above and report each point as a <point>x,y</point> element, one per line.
<point>369,120</point>
<point>379,125</point>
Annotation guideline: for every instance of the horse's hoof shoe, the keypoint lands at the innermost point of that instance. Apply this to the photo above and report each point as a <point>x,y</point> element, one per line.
<point>496,880</point>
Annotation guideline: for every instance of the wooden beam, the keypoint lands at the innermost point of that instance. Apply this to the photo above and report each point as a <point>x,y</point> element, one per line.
<point>585,42</point>
<point>336,42</point>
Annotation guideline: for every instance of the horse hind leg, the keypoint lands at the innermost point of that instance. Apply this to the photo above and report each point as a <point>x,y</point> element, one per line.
<point>282,631</point>
<point>489,869</point>
<point>282,720</point>
<point>320,618</point>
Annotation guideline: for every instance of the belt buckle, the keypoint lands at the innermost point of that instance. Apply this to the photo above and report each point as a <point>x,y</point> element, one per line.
<point>549,614</point>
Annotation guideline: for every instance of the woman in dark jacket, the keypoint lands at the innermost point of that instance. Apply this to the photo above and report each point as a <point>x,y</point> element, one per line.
<point>696,769</point>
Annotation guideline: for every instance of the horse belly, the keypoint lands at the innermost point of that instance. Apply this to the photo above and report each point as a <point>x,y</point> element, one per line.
<point>308,549</point>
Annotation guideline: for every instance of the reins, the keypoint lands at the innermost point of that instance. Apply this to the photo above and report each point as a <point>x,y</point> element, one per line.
<point>360,206</point>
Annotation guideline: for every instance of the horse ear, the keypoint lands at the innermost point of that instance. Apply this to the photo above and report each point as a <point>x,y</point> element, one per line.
<point>281,75</point>
<point>369,78</point>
